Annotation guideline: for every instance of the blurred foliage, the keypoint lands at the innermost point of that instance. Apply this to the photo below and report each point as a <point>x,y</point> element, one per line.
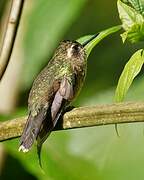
<point>47,22</point>
<point>88,153</point>
<point>3,4</point>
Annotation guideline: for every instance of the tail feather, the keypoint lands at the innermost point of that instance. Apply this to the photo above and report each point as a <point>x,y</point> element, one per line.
<point>31,130</point>
<point>39,148</point>
<point>45,131</point>
<point>46,128</point>
<point>39,128</point>
<point>39,145</point>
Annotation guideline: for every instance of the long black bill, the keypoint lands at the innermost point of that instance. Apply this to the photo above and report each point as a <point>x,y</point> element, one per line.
<point>89,40</point>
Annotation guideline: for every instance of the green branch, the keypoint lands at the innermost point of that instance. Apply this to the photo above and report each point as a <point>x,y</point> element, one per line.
<point>83,117</point>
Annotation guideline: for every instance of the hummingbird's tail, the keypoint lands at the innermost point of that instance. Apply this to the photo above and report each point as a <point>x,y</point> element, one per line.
<point>39,145</point>
<point>31,130</point>
<point>46,128</point>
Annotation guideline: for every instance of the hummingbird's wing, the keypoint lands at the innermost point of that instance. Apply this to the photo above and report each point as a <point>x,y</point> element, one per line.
<point>61,99</point>
<point>64,94</point>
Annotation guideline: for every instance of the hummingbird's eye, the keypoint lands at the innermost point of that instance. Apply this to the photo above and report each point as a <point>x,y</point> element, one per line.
<point>74,50</point>
<point>75,47</point>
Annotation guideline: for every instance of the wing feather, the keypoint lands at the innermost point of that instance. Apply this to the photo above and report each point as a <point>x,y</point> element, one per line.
<point>61,99</point>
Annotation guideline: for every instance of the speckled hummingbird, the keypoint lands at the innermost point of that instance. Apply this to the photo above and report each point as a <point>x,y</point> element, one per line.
<point>53,90</point>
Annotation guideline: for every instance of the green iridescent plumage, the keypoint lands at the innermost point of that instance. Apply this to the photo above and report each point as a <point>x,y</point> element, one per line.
<point>54,89</point>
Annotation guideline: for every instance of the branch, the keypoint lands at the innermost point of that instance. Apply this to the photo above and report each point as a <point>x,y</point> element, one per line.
<point>10,34</point>
<point>83,117</point>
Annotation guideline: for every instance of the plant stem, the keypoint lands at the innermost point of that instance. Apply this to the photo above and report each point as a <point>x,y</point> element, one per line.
<point>83,117</point>
<point>100,37</point>
<point>10,34</point>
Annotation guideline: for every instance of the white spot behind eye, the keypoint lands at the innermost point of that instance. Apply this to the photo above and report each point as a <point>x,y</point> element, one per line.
<point>69,52</point>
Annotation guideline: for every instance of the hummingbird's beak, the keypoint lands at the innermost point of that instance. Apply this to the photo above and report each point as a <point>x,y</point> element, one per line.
<point>89,40</point>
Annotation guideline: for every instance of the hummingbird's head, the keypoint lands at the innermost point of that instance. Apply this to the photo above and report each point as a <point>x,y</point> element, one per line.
<point>71,50</point>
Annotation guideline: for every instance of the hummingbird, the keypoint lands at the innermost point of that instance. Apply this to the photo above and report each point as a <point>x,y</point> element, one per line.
<point>56,86</point>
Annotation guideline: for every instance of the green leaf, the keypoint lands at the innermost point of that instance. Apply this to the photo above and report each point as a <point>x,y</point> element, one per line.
<point>131,70</point>
<point>135,34</point>
<point>132,22</point>
<point>138,5</point>
<point>128,15</point>
<point>98,38</point>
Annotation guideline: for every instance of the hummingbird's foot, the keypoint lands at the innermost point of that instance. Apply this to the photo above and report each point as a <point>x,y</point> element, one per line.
<point>23,149</point>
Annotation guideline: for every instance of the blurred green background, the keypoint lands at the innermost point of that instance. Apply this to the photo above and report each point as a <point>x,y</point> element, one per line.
<point>88,153</point>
